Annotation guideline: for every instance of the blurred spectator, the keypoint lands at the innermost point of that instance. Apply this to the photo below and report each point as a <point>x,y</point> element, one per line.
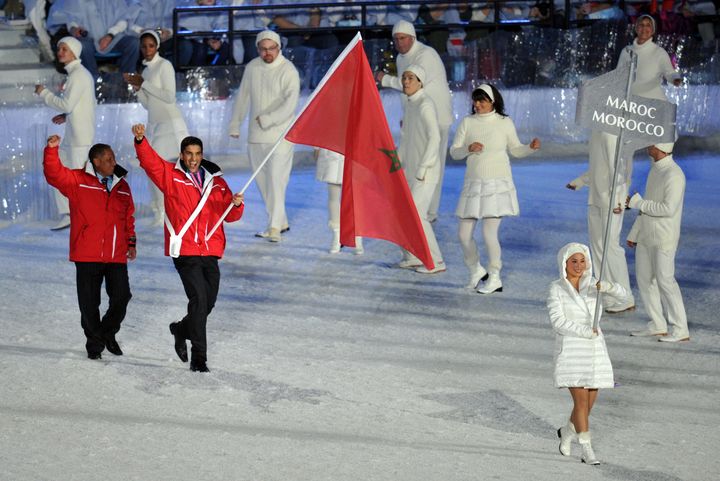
<point>600,11</point>
<point>437,14</point>
<point>244,45</point>
<point>706,29</point>
<point>36,12</point>
<point>156,15</point>
<point>398,11</point>
<point>303,18</point>
<point>101,26</point>
<point>203,51</point>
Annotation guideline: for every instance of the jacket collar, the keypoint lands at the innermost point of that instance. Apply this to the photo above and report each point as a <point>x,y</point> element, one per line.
<point>118,174</point>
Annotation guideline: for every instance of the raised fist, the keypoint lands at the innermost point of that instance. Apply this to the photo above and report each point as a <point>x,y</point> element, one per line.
<point>138,131</point>
<point>53,141</point>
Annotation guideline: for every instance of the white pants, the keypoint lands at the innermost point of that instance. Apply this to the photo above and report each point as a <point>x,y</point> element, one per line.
<point>272,180</point>
<point>616,269</point>
<point>73,158</point>
<point>655,272</point>
<point>435,202</point>
<point>490,228</point>
<point>422,193</point>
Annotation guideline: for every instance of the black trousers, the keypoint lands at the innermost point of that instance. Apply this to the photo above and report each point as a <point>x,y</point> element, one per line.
<point>200,276</point>
<point>90,276</point>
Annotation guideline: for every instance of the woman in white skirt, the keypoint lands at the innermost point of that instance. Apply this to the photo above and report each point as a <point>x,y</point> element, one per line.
<point>582,363</point>
<point>156,92</point>
<point>330,170</point>
<point>485,137</point>
<point>419,153</point>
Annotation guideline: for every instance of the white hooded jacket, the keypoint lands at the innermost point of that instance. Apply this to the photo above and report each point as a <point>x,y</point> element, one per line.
<point>581,358</point>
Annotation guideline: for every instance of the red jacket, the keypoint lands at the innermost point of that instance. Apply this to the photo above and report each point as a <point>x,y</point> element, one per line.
<point>181,198</point>
<point>102,226</point>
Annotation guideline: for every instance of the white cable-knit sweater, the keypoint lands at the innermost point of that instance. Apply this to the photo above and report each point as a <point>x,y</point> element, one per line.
<point>157,93</point>
<point>420,138</point>
<point>498,136</point>
<point>658,224</point>
<point>269,92</point>
<point>78,102</point>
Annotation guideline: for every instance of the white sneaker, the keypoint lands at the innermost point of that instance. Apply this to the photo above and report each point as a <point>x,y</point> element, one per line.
<point>262,234</point>
<point>439,267</point>
<point>647,333</point>
<point>359,249</point>
<point>63,223</point>
<point>274,235</point>
<point>477,274</point>
<point>620,308</point>
<point>675,338</point>
<point>408,264</point>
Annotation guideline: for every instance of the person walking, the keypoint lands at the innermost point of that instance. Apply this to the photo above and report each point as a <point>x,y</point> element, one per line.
<point>655,236</point>
<point>156,92</point>
<point>488,193</point>
<point>269,92</point>
<point>76,105</point>
<point>102,239</point>
<point>582,363</point>
<point>196,196</point>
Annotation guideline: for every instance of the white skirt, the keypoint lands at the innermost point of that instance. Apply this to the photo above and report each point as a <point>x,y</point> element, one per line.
<point>488,198</point>
<point>329,167</point>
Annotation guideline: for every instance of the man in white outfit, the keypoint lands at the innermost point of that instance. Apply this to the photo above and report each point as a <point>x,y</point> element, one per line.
<point>655,234</point>
<point>412,52</point>
<point>77,106</point>
<point>269,91</point>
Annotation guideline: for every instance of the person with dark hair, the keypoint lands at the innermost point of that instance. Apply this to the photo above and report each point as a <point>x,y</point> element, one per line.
<point>102,239</point>
<point>196,196</point>
<point>156,92</point>
<point>488,193</point>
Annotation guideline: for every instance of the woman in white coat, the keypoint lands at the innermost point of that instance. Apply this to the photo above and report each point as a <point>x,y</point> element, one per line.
<point>330,170</point>
<point>488,190</point>
<point>156,92</point>
<point>419,153</point>
<point>582,363</point>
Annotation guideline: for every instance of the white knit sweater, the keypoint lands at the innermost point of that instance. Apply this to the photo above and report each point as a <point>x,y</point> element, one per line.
<point>157,93</point>
<point>498,135</point>
<point>653,65</point>
<point>658,224</point>
<point>270,93</point>
<point>78,102</point>
<point>420,139</point>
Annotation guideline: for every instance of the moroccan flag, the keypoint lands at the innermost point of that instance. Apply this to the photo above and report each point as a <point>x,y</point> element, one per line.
<point>344,114</point>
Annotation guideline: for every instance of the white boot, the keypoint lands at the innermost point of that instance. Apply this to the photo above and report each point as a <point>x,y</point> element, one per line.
<point>477,274</point>
<point>359,249</point>
<point>588,455</point>
<point>493,284</point>
<point>567,435</point>
<point>335,246</point>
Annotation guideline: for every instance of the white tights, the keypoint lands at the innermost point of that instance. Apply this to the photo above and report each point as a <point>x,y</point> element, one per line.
<point>334,191</point>
<point>490,228</point>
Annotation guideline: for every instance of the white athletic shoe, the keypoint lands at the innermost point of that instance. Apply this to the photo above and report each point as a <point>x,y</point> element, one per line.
<point>409,264</point>
<point>675,338</point>
<point>274,235</point>
<point>439,267</point>
<point>647,333</point>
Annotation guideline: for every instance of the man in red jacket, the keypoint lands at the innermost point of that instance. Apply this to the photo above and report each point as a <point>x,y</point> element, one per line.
<point>196,196</point>
<point>102,238</point>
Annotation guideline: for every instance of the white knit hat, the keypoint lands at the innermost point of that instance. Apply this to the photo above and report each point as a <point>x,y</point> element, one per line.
<point>652,21</point>
<point>153,33</point>
<point>268,35</point>
<point>403,26</point>
<point>666,147</point>
<point>417,70</point>
<point>73,44</point>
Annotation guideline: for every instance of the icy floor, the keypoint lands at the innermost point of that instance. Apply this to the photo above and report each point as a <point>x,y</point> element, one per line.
<point>336,367</point>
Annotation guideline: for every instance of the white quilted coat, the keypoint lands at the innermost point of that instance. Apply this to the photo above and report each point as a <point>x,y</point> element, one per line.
<point>581,358</point>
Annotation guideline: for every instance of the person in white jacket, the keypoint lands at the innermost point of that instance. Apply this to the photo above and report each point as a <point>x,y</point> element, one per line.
<point>269,91</point>
<point>655,235</point>
<point>418,153</point>
<point>582,363</point>
<point>653,64</point>
<point>488,190</point>
<point>330,170</point>
<point>156,92</point>
<point>435,85</point>
<point>77,106</point>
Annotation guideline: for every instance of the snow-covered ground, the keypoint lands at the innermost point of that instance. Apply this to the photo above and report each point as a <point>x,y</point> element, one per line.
<point>337,367</point>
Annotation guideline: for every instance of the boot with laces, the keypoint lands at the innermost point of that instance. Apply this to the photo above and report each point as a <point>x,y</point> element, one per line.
<point>588,455</point>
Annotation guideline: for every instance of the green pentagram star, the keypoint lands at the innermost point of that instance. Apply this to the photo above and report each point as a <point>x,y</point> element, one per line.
<point>394,159</point>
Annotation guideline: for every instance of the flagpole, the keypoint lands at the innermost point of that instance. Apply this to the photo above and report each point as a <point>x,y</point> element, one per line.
<point>611,202</point>
<point>328,74</point>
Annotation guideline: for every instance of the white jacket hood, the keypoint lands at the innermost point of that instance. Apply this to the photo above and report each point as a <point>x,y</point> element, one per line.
<point>565,253</point>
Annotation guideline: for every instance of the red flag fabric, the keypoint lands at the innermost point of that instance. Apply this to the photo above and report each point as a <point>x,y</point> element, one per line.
<point>344,114</point>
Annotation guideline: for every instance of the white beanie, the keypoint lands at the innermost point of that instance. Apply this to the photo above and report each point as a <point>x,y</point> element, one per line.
<point>73,44</point>
<point>403,26</point>
<point>153,33</point>
<point>417,70</point>
<point>666,147</point>
<point>268,35</point>
<point>652,20</point>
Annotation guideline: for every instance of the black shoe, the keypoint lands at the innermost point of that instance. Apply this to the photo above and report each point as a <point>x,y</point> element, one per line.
<point>112,346</point>
<point>94,355</point>
<point>199,366</point>
<point>180,344</point>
